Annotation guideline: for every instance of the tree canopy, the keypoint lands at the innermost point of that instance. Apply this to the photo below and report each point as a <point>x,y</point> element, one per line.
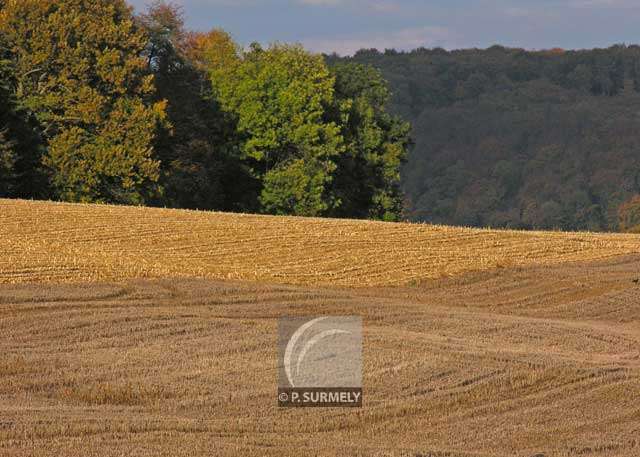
<point>79,69</point>
<point>198,146</point>
<point>367,180</point>
<point>114,107</point>
<point>20,144</point>
<point>280,96</point>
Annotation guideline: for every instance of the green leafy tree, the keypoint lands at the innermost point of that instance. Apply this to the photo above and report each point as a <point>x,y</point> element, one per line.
<point>367,178</point>
<point>79,68</point>
<point>280,97</point>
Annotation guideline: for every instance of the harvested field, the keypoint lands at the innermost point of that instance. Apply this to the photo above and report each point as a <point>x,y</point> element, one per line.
<point>53,242</point>
<point>538,357</point>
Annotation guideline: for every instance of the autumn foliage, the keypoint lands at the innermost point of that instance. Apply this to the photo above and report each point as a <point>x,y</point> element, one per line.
<point>137,109</point>
<point>629,215</point>
<point>79,68</point>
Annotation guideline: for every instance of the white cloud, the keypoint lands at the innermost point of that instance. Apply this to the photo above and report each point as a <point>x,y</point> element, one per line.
<point>142,4</point>
<point>518,12</point>
<point>623,4</point>
<point>321,2</point>
<point>405,39</point>
<point>378,6</point>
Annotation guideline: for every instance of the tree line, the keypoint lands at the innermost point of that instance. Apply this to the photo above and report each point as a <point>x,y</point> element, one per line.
<point>98,104</point>
<point>101,105</point>
<point>519,139</point>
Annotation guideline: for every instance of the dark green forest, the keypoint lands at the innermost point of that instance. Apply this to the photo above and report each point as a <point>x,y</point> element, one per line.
<point>512,138</point>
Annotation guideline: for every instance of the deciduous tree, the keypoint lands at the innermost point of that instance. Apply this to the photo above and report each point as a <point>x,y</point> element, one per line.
<point>20,146</point>
<point>198,149</point>
<point>280,96</point>
<point>629,215</point>
<point>79,68</point>
<point>367,178</point>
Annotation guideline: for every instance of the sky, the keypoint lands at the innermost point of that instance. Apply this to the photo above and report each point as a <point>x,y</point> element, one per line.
<point>344,26</point>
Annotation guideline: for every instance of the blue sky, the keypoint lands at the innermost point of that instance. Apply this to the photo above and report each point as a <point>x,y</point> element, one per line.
<point>347,25</point>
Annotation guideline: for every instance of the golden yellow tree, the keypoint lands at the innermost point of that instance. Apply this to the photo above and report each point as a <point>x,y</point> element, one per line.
<point>212,50</point>
<point>79,67</point>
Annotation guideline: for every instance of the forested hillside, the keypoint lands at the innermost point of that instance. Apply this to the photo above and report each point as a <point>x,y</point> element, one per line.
<point>510,138</point>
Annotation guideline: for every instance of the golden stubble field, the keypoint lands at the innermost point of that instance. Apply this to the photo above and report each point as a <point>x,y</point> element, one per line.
<point>54,242</point>
<point>144,332</point>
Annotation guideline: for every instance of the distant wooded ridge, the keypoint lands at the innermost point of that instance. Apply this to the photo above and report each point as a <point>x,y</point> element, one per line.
<point>514,138</point>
